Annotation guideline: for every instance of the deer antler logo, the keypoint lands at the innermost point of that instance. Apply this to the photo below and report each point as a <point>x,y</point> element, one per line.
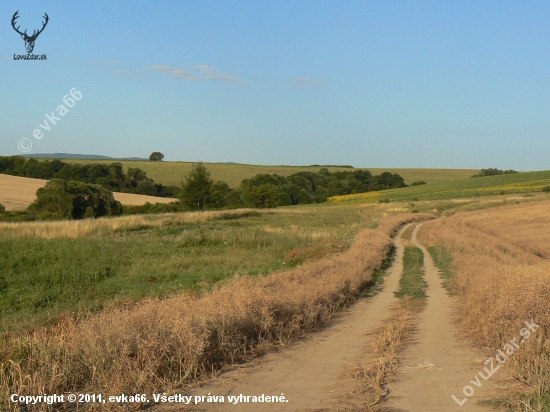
<point>29,40</point>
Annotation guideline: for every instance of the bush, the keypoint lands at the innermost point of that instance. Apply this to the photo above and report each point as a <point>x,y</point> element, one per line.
<point>2,208</point>
<point>418,183</point>
<point>76,200</point>
<point>546,189</point>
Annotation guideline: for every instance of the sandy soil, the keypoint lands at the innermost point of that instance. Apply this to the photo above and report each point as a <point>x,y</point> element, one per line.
<point>17,193</point>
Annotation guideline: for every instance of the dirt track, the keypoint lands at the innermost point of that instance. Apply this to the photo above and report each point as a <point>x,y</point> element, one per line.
<point>314,374</point>
<point>439,364</point>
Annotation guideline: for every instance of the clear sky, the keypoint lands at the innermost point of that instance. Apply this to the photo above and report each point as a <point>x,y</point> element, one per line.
<point>458,84</point>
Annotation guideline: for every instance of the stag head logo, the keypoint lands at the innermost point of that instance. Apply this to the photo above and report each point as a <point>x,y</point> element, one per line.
<point>29,40</point>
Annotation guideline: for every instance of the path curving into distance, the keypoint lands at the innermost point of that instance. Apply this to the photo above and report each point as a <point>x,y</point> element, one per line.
<point>310,373</point>
<point>314,373</point>
<point>439,364</point>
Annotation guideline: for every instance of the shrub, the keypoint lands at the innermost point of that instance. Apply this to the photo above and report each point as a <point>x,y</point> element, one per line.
<point>76,200</point>
<point>2,208</point>
<point>546,189</point>
<point>418,183</point>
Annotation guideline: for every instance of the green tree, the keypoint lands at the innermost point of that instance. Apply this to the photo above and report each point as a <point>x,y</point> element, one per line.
<point>76,200</point>
<point>156,157</point>
<point>91,200</point>
<point>146,187</point>
<point>265,195</point>
<point>197,187</point>
<point>53,200</point>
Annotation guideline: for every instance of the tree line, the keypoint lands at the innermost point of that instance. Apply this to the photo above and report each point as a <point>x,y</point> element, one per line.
<point>85,191</point>
<point>110,176</point>
<point>494,172</point>
<point>271,190</point>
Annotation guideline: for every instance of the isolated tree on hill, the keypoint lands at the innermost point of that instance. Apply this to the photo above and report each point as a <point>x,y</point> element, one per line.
<point>156,157</point>
<point>197,187</point>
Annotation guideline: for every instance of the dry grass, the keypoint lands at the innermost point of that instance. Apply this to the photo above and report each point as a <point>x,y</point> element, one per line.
<point>17,193</point>
<point>373,376</point>
<point>76,229</point>
<point>158,344</point>
<point>502,274</point>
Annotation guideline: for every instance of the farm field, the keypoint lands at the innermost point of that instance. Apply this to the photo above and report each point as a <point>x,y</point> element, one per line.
<point>497,262</point>
<point>17,193</point>
<point>160,256</point>
<point>171,173</point>
<point>519,183</point>
<point>137,277</point>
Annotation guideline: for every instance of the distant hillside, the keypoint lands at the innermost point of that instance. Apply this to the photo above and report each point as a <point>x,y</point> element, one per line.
<point>80,156</point>
<point>171,173</point>
<point>515,183</point>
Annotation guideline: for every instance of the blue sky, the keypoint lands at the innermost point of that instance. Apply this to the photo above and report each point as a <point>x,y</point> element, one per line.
<point>458,84</point>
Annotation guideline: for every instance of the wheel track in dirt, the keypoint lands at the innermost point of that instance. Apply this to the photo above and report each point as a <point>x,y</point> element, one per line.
<point>314,373</point>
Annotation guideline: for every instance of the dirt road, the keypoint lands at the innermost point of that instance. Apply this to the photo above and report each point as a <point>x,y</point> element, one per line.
<point>314,374</point>
<point>311,373</point>
<point>440,364</point>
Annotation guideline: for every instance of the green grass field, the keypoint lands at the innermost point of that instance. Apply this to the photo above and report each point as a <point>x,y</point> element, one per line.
<point>465,188</point>
<point>43,279</point>
<point>171,173</point>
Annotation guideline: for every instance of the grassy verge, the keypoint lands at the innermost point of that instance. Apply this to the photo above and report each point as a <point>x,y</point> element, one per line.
<point>407,233</point>
<point>443,259</point>
<point>412,281</point>
<point>376,284</point>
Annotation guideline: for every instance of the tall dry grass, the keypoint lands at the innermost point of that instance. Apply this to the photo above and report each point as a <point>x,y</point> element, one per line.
<point>502,275</point>
<point>158,344</point>
<point>76,229</point>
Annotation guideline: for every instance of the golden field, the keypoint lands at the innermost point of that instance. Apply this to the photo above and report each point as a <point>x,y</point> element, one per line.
<point>501,272</point>
<point>17,193</point>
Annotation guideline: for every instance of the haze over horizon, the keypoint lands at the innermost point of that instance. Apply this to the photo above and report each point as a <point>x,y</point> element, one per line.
<point>375,84</point>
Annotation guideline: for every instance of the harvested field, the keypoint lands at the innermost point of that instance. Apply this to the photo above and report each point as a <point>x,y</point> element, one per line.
<point>501,272</point>
<point>17,193</point>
